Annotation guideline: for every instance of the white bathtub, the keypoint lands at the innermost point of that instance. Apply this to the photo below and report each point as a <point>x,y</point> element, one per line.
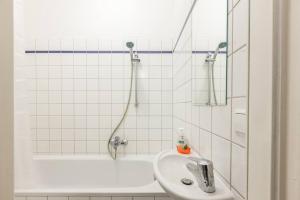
<point>91,176</point>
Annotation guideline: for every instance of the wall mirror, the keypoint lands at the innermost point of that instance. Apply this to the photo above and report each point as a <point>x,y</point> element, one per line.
<point>209,52</point>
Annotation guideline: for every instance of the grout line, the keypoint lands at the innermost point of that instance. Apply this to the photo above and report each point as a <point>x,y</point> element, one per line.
<point>123,99</point>
<point>231,142</point>
<point>231,89</point>
<point>94,65</point>
<point>234,5</point>
<point>223,178</point>
<point>61,121</point>
<point>148,95</point>
<point>74,117</point>
<point>48,100</point>
<point>247,100</point>
<point>105,140</point>
<point>106,90</point>
<point>103,78</point>
<point>165,115</point>
<point>161,100</point>
<point>36,97</point>
<point>236,50</point>
<point>98,105</point>
<point>191,86</point>
<point>86,106</point>
<point>211,134</point>
<point>233,188</point>
<point>172,86</point>
<point>111,86</point>
<point>136,109</point>
<point>183,84</point>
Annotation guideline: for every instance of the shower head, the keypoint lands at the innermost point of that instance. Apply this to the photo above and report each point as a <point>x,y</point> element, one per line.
<point>222,45</point>
<point>133,55</point>
<point>130,45</point>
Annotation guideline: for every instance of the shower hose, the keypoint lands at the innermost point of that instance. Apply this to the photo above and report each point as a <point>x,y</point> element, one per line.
<point>213,81</point>
<point>123,116</point>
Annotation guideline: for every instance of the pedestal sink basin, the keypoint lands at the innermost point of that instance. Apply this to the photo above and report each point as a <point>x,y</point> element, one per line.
<point>169,170</point>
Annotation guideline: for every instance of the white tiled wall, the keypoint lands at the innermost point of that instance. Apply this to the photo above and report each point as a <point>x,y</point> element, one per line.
<point>78,98</point>
<point>218,133</point>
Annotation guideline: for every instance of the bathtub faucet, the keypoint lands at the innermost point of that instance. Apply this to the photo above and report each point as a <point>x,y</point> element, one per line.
<point>116,141</point>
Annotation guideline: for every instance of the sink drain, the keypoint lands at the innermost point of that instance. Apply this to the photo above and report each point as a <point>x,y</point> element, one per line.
<point>187,181</point>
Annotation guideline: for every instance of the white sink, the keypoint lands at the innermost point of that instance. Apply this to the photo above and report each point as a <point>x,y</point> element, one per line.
<point>170,168</point>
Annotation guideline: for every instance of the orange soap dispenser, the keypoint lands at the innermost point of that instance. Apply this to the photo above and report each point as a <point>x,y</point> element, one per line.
<point>182,143</point>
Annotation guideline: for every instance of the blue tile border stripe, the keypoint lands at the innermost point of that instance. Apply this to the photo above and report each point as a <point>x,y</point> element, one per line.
<point>205,52</point>
<point>111,52</point>
<point>96,52</point>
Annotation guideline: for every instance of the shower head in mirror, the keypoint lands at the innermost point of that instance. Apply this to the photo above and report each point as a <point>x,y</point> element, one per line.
<point>130,45</point>
<point>222,45</point>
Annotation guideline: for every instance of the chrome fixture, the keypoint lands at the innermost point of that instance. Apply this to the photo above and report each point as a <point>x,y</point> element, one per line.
<point>134,59</point>
<point>211,59</point>
<point>186,181</point>
<point>203,172</point>
<point>115,141</point>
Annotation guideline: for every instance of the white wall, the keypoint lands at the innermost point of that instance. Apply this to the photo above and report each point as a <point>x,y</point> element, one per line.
<point>22,132</point>
<point>208,24</point>
<point>290,163</point>
<point>110,19</point>
<point>6,100</point>
<point>218,133</point>
<point>260,100</point>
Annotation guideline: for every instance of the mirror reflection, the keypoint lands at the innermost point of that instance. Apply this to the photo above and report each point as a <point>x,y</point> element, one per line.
<point>209,52</point>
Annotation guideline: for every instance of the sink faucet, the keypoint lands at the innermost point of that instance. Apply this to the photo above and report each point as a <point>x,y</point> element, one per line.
<point>116,141</point>
<point>203,172</point>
